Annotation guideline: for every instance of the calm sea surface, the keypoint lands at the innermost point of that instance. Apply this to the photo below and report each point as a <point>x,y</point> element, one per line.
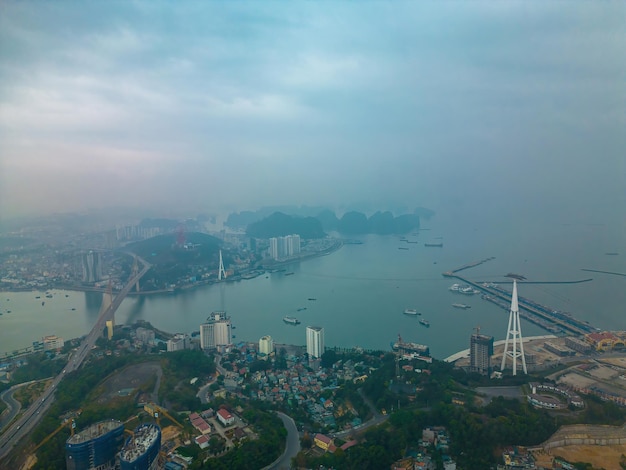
<point>362,290</point>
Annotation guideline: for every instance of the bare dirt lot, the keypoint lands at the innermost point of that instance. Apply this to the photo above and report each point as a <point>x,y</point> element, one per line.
<point>130,378</point>
<point>607,457</point>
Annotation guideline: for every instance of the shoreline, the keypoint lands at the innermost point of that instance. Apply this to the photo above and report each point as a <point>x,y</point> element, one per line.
<point>236,278</point>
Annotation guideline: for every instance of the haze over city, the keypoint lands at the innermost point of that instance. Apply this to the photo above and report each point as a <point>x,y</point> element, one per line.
<point>216,106</point>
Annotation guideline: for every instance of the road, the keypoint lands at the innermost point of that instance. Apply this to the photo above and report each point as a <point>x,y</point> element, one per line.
<point>378,418</point>
<point>31,417</point>
<point>291,448</point>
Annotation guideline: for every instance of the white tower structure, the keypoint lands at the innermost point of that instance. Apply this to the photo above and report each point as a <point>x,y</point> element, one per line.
<point>221,274</point>
<point>514,333</point>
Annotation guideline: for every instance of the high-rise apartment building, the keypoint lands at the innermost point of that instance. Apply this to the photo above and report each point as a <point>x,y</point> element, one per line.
<point>266,345</point>
<point>284,247</point>
<point>217,331</point>
<point>92,266</point>
<point>481,350</point>
<point>314,341</point>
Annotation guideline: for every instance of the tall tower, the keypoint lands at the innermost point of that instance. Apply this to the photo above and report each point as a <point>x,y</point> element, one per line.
<point>221,274</point>
<point>514,332</point>
<point>314,341</point>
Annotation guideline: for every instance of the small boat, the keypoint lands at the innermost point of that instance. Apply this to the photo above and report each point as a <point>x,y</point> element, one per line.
<point>291,320</point>
<point>73,309</point>
<point>402,248</point>
<point>43,302</point>
<point>464,306</point>
<point>426,323</point>
<point>38,297</point>
<point>289,273</point>
<point>301,308</point>
<point>312,298</point>
<point>411,311</point>
<point>435,245</point>
<point>66,295</point>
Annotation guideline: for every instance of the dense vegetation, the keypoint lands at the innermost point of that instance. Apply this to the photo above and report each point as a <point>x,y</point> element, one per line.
<point>178,369</point>
<point>279,224</point>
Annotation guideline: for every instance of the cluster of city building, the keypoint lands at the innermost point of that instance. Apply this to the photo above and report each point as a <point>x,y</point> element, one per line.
<point>282,248</point>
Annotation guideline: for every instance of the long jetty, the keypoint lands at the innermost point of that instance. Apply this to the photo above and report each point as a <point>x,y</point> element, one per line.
<point>544,316</point>
<point>604,272</point>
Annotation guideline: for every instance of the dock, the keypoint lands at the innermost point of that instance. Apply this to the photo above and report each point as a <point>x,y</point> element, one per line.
<point>551,320</point>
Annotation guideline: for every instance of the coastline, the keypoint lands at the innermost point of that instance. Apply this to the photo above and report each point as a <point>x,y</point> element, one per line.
<point>243,276</point>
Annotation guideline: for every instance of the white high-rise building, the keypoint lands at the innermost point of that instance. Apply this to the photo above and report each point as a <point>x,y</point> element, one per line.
<point>178,342</point>
<point>217,331</point>
<point>284,247</point>
<point>315,341</point>
<point>266,345</point>
<point>92,266</point>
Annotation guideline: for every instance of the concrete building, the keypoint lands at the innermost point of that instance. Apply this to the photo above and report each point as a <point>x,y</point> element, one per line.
<point>95,447</point>
<point>266,345</point>
<point>481,350</point>
<point>216,331</point>
<point>52,342</point>
<point>141,450</point>
<point>145,335</point>
<point>284,247</point>
<point>314,341</point>
<point>225,417</point>
<point>178,342</point>
<point>92,267</point>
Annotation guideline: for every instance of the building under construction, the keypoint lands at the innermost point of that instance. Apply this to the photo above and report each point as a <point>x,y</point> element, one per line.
<point>95,447</point>
<point>141,450</point>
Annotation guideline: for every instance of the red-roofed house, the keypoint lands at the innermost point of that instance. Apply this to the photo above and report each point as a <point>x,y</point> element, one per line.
<point>225,417</point>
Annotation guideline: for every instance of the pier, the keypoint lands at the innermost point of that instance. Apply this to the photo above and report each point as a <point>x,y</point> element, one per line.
<point>467,266</point>
<point>604,272</point>
<point>552,320</point>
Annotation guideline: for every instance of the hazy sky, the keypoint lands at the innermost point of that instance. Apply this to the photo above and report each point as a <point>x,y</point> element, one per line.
<point>480,106</point>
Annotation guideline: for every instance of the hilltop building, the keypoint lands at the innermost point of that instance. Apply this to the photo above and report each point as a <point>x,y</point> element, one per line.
<point>216,331</point>
<point>314,341</point>
<point>95,447</point>
<point>141,450</point>
<point>481,350</point>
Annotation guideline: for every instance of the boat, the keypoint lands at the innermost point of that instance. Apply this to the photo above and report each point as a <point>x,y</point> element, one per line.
<point>301,308</point>
<point>411,311</point>
<point>407,348</point>
<point>289,274</point>
<point>454,287</point>
<point>436,245</point>
<point>38,297</point>
<point>49,296</point>
<point>402,248</point>
<point>43,302</point>
<point>424,322</point>
<point>312,298</point>
<point>73,309</point>
<point>461,306</point>
<point>291,320</point>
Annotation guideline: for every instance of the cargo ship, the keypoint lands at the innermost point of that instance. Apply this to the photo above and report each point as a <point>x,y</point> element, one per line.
<point>291,320</point>
<point>411,311</point>
<point>403,347</point>
<point>461,306</point>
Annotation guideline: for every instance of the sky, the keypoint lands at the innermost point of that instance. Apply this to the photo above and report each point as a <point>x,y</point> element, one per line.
<point>466,106</point>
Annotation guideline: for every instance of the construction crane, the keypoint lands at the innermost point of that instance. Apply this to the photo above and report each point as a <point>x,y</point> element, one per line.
<point>55,432</point>
<point>156,411</point>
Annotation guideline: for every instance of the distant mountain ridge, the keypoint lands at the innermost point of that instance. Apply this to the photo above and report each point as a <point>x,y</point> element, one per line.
<point>279,224</point>
<point>351,223</point>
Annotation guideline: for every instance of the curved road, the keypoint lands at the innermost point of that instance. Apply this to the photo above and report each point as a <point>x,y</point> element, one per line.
<point>13,406</point>
<point>291,449</point>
